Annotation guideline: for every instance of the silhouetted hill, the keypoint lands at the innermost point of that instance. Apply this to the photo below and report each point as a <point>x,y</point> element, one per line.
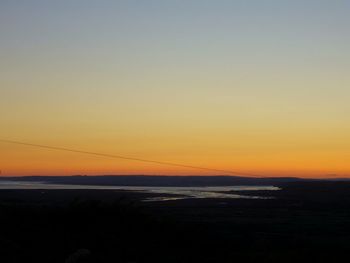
<point>306,222</point>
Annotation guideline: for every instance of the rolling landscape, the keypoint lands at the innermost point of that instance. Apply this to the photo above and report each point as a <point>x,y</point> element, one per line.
<point>305,220</point>
<point>174,131</point>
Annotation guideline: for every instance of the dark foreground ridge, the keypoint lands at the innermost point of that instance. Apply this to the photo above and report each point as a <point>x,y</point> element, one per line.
<point>306,222</point>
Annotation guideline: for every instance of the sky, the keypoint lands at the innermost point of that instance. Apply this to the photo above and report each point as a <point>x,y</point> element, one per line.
<point>258,87</point>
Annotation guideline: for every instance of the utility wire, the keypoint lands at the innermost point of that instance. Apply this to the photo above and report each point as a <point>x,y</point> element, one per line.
<point>125,157</point>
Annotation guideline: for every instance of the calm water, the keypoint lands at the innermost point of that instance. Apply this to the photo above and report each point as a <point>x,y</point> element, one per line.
<point>178,192</point>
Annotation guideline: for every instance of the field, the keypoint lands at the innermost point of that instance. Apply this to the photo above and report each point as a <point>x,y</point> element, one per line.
<point>306,221</point>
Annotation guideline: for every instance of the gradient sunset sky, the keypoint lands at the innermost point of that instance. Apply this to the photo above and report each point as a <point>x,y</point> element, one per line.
<point>254,86</point>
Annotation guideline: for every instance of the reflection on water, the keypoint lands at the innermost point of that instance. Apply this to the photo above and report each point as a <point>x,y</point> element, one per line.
<point>207,192</point>
<point>173,193</point>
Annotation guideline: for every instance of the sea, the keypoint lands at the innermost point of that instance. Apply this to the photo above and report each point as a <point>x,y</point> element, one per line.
<point>174,193</point>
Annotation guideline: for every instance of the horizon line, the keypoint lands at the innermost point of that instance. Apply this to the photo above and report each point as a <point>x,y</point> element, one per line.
<point>168,175</point>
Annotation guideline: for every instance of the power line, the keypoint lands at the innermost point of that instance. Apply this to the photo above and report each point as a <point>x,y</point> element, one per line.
<point>124,157</point>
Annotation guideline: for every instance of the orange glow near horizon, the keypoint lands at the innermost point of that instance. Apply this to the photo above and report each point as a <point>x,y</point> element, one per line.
<point>24,161</point>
